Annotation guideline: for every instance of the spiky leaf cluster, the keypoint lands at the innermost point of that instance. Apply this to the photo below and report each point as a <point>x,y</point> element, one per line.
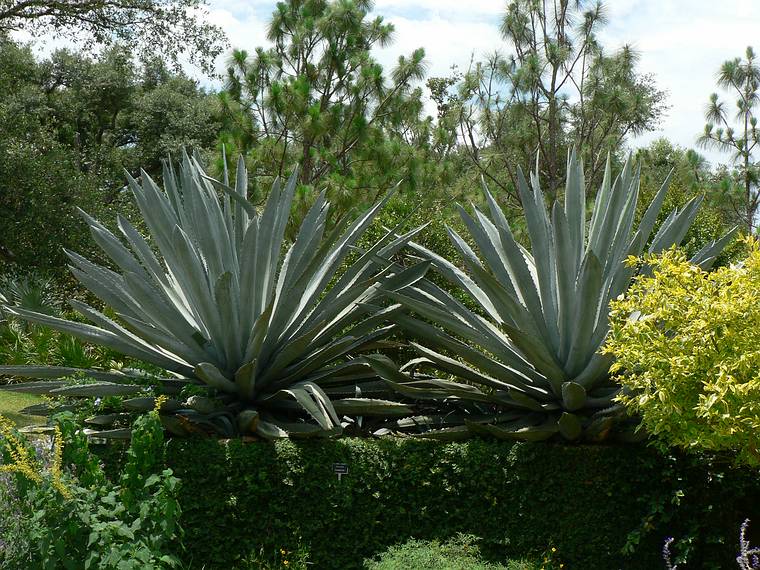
<point>215,296</point>
<point>529,366</point>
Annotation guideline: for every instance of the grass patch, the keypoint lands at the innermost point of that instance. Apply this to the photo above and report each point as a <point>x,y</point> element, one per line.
<point>12,402</point>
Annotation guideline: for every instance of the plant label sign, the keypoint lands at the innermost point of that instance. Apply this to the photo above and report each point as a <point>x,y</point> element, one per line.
<point>340,469</point>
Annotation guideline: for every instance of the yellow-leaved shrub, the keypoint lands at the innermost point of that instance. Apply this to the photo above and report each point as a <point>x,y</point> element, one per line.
<point>687,348</point>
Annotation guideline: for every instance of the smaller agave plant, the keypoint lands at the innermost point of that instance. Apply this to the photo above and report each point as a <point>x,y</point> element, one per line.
<point>255,337</point>
<point>527,364</point>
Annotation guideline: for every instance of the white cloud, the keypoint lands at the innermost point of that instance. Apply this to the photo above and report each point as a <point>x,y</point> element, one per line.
<point>446,42</point>
<point>683,44</point>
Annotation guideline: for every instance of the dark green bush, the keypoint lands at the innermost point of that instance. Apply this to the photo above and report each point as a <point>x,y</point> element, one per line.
<point>593,504</point>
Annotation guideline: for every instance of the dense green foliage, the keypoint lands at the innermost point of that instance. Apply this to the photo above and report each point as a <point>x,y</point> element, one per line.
<point>319,98</point>
<point>686,350</point>
<point>60,511</point>
<point>588,502</point>
<point>71,124</point>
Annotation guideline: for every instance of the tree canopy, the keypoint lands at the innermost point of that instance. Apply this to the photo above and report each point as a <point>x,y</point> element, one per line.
<point>172,28</point>
<point>319,98</point>
<point>71,125</point>
<point>558,87</point>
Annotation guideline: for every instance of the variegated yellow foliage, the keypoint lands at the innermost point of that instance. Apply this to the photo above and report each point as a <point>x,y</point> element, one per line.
<point>687,344</point>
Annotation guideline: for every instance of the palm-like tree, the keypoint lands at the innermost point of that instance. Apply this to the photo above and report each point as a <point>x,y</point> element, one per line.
<point>741,78</point>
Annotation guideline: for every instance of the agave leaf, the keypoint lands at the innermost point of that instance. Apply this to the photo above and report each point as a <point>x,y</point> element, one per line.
<point>212,376</point>
<point>434,336</point>
<point>566,277</point>
<point>523,433</point>
<point>268,430</point>
<point>233,193</point>
<point>540,239</point>
<point>44,409</point>
<point>148,403</point>
<point>570,426</point>
<point>122,433</point>
<point>587,300</point>
<point>99,389</point>
<point>35,387</point>
<point>674,230</point>
<point>705,257</point>
<point>371,407</point>
<point>456,433</point>
<point>573,396</point>
<point>456,276</point>
<point>105,419</point>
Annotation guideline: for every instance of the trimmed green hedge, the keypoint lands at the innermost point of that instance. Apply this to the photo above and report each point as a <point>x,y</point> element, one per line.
<point>522,499</point>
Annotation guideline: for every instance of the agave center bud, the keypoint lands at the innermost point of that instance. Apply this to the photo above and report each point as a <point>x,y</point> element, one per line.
<point>573,396</point>
<point>247,421</point>
<point>203,405</point>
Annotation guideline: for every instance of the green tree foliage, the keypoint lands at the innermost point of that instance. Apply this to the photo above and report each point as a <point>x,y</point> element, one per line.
<point>738,135</point>
<point>319,98</point>
<point>172,28</point>
<point>119,113</point>
<point>39,177</point>
<point>558,88</point>
<point>686,349</point>
<point>71,124</point>
<point>690,176</point>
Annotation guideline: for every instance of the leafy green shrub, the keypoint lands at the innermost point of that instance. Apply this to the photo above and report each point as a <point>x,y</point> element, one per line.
<point>458,553</point>
<point>601,507</point>
<point>686,348</point>
<point>60,511</point>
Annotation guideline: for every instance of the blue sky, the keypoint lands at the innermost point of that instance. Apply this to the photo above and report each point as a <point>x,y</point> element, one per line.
<point>682,42</point>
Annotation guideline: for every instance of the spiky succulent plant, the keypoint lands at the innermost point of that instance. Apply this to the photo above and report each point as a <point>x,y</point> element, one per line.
<point>527,363</point>
<point>256,338</point>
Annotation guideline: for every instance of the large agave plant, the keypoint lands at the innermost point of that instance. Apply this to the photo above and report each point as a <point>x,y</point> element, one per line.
<point>254,339</point>
<point>529,363</point>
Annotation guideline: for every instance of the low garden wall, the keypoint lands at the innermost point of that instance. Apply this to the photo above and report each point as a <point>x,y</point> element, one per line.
<point>594,504</point>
